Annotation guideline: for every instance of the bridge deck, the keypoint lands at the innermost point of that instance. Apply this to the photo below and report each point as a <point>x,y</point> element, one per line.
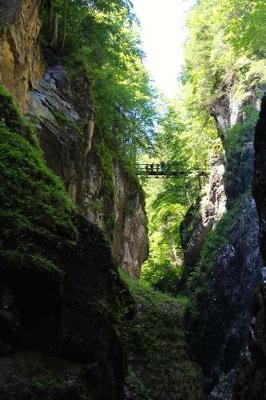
<point>163,169</point>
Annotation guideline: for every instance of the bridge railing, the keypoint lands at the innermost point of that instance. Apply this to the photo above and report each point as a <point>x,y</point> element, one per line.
<point>154,169</point>
<point>165,169</point>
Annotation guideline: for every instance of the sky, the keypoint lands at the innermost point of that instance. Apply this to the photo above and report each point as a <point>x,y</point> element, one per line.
<point>163,34</point>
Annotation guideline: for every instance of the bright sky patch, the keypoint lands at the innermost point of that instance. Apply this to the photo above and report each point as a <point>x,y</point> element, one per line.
<point>163,35</point>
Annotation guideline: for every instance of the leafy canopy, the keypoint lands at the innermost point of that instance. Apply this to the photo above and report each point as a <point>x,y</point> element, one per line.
<point>224,70</point>
<point>101,39</point>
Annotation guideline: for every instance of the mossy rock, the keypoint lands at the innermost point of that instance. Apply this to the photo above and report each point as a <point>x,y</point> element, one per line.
<point>159,365</point>
<point>36,213</point>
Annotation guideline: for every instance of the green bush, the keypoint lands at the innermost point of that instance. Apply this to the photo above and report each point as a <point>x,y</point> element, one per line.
<point>163,277</point>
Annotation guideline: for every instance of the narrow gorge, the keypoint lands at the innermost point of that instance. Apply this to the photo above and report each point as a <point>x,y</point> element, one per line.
<point>133,238</point>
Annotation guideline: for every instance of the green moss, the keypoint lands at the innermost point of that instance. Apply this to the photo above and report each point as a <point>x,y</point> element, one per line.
<point>106,165</point>
<point>45,383</point>
<point>199,279</point>
<point>105,158</point>
<point>235,146</point>
<point>11,117</point>
<point>110,222</point>
<point>238,188</point>
<point>96,205</point>
<point>62,118</point>
<point>159,366</point>
<point>36,213</point>
<point>241,133</point>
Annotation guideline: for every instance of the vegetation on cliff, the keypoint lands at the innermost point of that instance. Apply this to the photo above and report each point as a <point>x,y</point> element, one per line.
<point>42,232</point>
<point>159,366</point>
<point>98,45</point>
<point>213,119</point>
<point>101,40</point>
<point>59,287</point>
<point>36,212</point>
<point>221,80</point>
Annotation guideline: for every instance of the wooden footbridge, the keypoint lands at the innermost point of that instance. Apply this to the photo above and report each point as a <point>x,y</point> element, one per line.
<point>165,169</point>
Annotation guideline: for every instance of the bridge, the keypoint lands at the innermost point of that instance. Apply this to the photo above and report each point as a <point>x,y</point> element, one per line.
<point>165,169</point>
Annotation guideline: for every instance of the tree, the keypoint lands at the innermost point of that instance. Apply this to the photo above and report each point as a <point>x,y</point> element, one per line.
<point>100,38</point>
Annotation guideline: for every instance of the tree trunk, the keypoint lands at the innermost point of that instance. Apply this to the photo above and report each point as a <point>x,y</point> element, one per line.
<point>65,25</point>
<point>55,33</point>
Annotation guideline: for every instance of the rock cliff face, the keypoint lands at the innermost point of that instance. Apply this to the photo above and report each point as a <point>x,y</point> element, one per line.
<point>259,184</point>
<point>227,308</point>
<point>201,218</point>
<point>9,11</point>
<point>250,379</point>
<point>66,346</point>
<point>250,382</point>
<point>20,56</point>
<point>61,300</point>
<point>62,110</point>
<point>225,311</point>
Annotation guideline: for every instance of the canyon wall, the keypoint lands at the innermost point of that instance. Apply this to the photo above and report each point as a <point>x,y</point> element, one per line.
<point>250,381</point>
<point>225,250</point>
<point>107,193</point>
<point>21,64</point>
<point>62,302</point>
<point>62,109</point>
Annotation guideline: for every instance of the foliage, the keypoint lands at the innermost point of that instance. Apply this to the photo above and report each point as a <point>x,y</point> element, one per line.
<point>246,27</point>
<point>216,60</point>
<point>159,366</point>
<point>11,117</point>
<point>36,214</point>
<point>239,134</point>
<point>239,169</point>
<point>165,262</point>
<point>223,73</point>
<point>169,199</point>
<point>106,163</point>
<point>100,38</point>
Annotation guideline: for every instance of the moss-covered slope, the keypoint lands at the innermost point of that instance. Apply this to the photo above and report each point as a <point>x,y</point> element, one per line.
<point>60,296</point>
<point>36,213</point>
<point>159,366</point>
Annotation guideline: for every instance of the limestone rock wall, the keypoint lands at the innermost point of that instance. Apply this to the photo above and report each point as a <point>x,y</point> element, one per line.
<point>64,340</point>
<point>129,236</point>
<point>63,113</point>
<point>226,310</point>
<point>220,329</point>
<point>9,11</point>
<point>61,300</point>
<point>20,58</point>
<point>250,382</point>
<point>202,217</point>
